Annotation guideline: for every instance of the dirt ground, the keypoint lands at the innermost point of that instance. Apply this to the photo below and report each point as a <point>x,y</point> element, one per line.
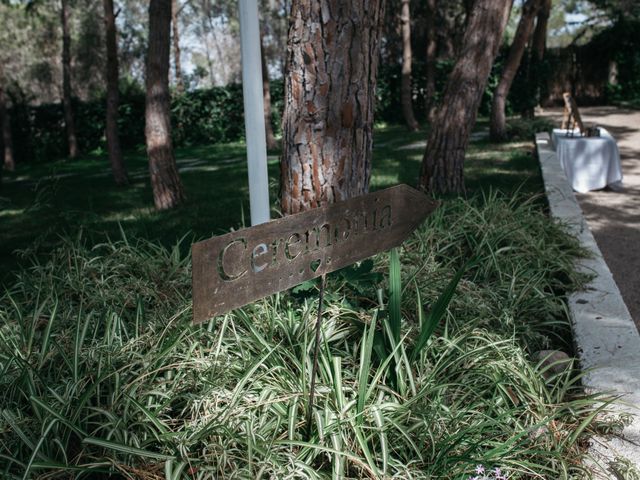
<point>614,216</point>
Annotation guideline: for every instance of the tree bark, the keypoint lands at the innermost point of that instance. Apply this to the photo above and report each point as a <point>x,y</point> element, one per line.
<point>66,81</point>
<point>8,160</point>
<point>406,96</point>
<point>443,162</point>
<point>468,8</point>
<point>539,43</point>
<point>113,97</point>
<point>538,48</point>
<point>333,51</point>
<point>430,67</point>
<point>498,123</point>
<point>165,181</point>
<point>176,46</point>
<point>272,143</point>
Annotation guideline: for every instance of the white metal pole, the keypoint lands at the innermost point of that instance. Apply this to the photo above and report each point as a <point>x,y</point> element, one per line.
<point>254,111</point>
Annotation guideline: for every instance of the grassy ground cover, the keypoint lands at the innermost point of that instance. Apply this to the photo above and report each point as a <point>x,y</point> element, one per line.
<point>102,375</point>
<point>101,372</point>
<point>39,202</point>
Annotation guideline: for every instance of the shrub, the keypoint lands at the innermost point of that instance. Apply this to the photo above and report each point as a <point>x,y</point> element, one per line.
<point>102,373</point>
<point>211,116</point>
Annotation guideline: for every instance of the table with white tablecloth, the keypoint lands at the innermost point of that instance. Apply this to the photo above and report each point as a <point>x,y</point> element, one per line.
<point>590,163</point>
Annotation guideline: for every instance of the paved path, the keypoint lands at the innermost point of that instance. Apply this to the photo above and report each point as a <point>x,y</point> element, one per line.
<point>614,217</point>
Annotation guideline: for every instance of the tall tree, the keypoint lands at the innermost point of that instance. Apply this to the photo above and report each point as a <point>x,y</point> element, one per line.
<point>66,81</point>
<point>539,42</point>
<point>266,92</point>
<point>535,59</point>
<point>443,162</point>
<point>430,59</point>
<point>7,139</point>
<point>175,10</point>
<point>165,181</point>
<point>332,59</point>
<point>498,124</point>
<point>113,97</point>
<point>406,92</point>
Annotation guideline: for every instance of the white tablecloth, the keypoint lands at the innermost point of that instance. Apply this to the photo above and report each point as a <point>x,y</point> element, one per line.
<point>590,163</point>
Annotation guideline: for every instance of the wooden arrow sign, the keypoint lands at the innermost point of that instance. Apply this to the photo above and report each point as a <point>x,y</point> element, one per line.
<point>237,268</point>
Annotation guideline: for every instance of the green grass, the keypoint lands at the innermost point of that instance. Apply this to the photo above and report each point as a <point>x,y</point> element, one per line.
<point>506,166</point>
<point>101,372</point>
<point>40,202</point>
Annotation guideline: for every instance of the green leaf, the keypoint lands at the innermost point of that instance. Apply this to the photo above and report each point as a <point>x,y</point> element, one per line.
<point>36,450</point>
<point>365,365</point>
<point>395,295</point>
<point>118,447</point>
<point>438,310</point>
<point>304,287</point>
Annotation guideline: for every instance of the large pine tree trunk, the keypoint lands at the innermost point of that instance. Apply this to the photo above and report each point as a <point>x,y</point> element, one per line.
<point>333,51</point>
<point>113,97</point>
<point>66,81</point>
<point>272,143</point>
<point>430,67</point>
<point>176,46</point>
<point>498,123</point>
<point>165,181</point>
<point>406,94</point>
<point>443,161</point>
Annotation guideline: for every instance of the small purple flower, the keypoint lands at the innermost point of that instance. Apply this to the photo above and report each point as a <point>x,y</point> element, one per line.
<point>493,474</point>
<point>499,475</point>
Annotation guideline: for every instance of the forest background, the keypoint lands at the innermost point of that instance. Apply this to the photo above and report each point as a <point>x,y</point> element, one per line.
<point>591,48</point>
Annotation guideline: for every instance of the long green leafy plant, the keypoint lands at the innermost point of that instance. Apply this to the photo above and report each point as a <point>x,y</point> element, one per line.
<point>428,323</point>
<point>102,374</point>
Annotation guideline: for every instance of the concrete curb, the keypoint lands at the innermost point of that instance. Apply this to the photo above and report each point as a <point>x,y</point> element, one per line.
<point>606,337</point>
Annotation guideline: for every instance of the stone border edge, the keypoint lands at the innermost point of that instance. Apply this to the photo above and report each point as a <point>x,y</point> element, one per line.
<point>606,338</point>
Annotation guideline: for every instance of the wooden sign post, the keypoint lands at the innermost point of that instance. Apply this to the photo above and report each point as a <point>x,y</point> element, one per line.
<point>237,268</point>
<point>232,270</point>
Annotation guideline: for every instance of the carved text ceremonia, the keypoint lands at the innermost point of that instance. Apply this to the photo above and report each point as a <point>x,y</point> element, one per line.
<point>234,269</point>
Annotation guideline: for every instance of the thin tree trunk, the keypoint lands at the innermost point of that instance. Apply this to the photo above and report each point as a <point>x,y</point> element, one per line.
<point>222,64</point>
<point>406,94</point>
<point>498,123</point>
<point>333,51</point>
<point>430,67</point>
<point>443,162</point>
<point>206,30</point>
<point>539,42</point>
<point>8,160</point>
<point>113,97</point>
<point>207,50</point>
<point>165,181</point>
<point>266,92</point>
<point>176,47</point>
<point>538,46</point>
<point>66,81</point>
<point>446,34</point>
